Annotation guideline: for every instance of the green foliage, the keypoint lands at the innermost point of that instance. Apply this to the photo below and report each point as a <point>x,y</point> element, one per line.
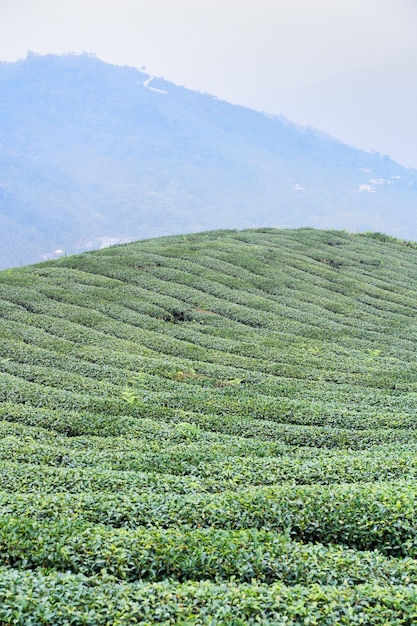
<point>190,432</point>
<point>384,238</point>
<point>252,461</point>
<point>129,395</point>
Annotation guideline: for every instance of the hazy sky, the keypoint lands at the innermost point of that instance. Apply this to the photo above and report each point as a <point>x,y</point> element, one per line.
<point>268,54</point>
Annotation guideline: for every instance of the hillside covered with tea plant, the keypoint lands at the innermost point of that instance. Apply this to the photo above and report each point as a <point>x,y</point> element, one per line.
<point>211,429</point>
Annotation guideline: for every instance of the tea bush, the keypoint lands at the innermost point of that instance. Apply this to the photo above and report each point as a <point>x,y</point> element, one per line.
<point>212,429</point>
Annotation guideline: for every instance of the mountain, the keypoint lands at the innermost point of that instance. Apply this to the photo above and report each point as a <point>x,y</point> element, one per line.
<point>211,429</point>
<point>93,154</point>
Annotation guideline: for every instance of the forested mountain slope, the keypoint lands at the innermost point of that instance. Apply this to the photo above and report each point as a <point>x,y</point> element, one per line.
<point>208,429</point>
<point>93,154</point>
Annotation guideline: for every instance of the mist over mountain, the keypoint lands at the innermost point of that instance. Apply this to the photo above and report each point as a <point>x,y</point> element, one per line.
<point>373,108</point>
<point>93,154</point>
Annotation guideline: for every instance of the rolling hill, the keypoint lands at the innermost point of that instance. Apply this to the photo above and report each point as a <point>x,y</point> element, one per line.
<point>93,154</point>
<point>211,428</point>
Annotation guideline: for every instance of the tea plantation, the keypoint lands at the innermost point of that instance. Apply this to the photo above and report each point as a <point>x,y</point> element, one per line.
<point>211,429</point>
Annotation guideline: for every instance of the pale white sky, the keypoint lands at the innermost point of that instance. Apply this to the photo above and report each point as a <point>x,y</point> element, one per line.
<point>255,53</point>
